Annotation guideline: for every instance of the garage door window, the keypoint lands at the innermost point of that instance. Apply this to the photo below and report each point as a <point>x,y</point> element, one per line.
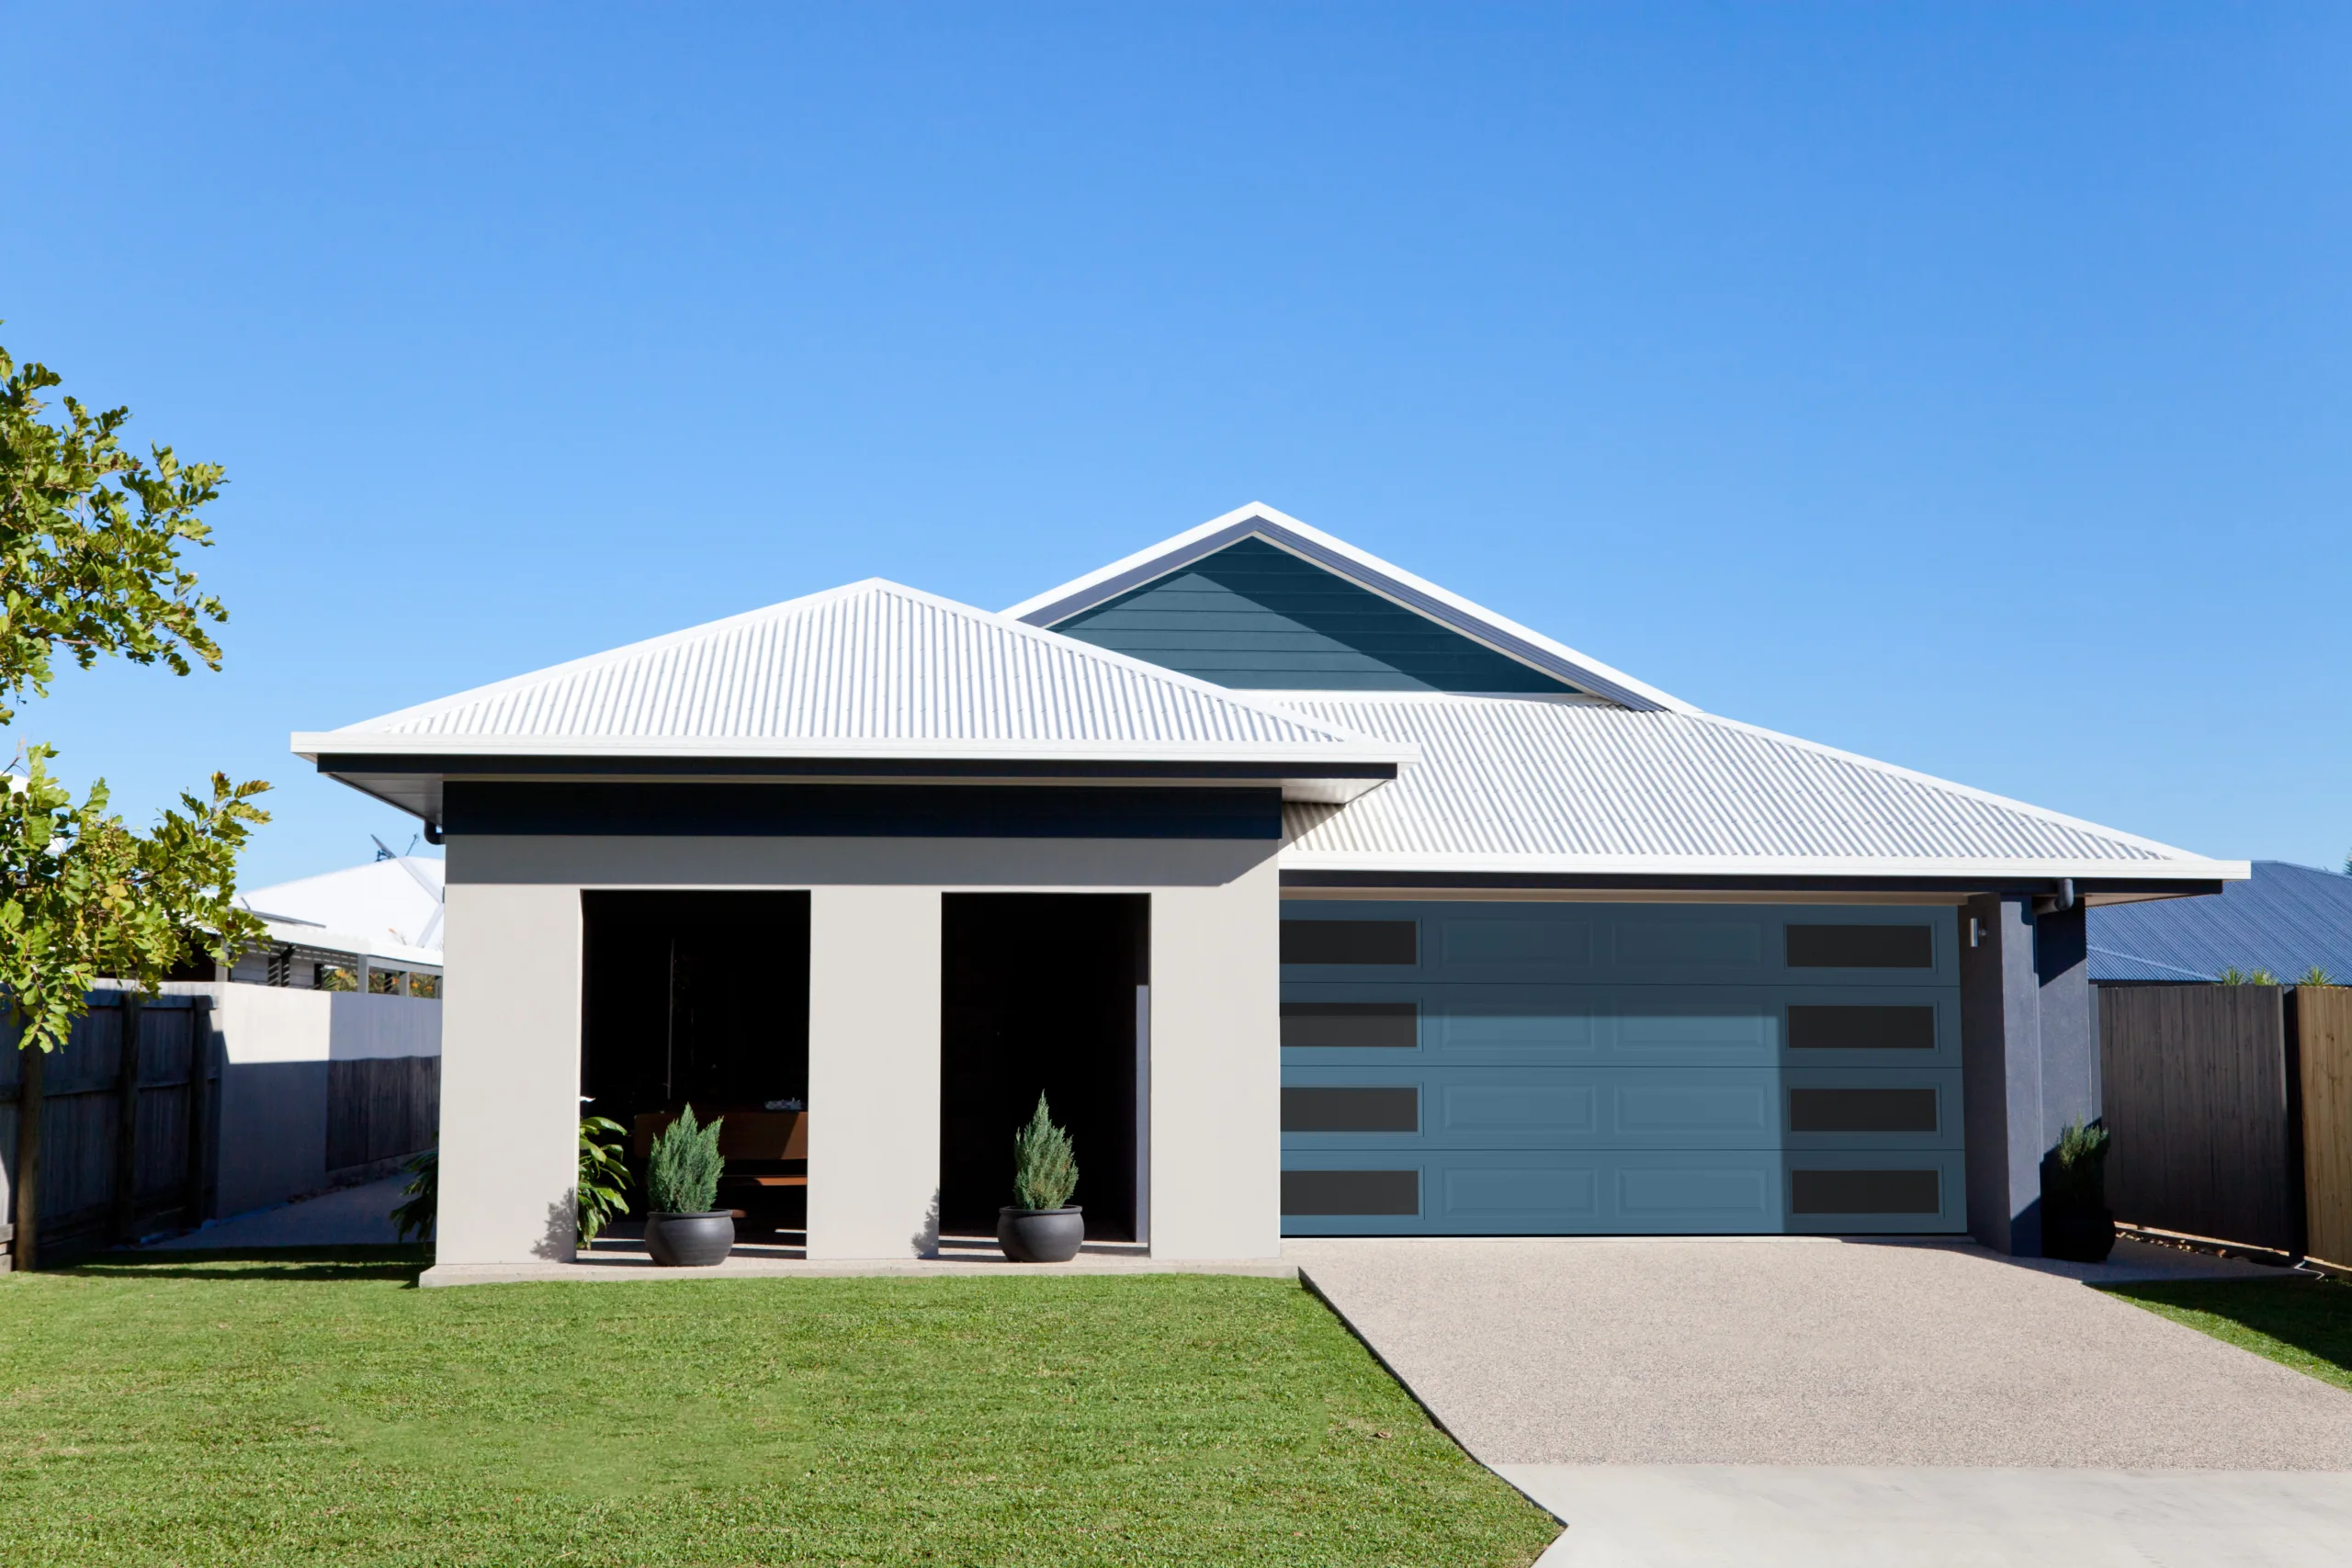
<point>1350,942</point>
<point>1352,1193</point>
<point>1395,1026</point>
<point>1833,1028</point>
<point>1862,1110</point>
<point>1861,947</point>
<point>1864,1192</point>
<point>1375,1110</point>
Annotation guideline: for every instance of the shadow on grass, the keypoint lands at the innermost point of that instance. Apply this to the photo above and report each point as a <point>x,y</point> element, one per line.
<point>330,1265</point>
<point>2313,1317</point>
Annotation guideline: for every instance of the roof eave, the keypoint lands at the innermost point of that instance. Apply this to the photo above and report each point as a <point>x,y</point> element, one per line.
<point>1991,871</point>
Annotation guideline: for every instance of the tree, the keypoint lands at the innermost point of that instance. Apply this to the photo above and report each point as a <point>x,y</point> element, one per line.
<point>90,543</point>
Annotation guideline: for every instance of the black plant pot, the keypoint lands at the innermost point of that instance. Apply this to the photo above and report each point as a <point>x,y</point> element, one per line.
<point>1040,1236</point>
<point>690,1241</point>
<point>2078,1235</point>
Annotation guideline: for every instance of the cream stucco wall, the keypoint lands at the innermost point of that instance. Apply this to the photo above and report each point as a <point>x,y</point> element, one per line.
<point>873,1024</point>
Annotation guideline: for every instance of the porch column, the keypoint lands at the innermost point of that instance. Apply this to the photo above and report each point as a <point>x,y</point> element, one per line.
<point>2029,1056</point>
<point>510,1072</point>
<point>874,992</point>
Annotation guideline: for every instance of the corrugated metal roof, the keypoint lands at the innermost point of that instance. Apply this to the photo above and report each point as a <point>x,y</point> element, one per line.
<point>2288,918</point>
<point>871,668</point>
<point>1534,786</point>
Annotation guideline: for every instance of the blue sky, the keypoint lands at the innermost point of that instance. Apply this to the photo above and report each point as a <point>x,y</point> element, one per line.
<point>1965,385</point>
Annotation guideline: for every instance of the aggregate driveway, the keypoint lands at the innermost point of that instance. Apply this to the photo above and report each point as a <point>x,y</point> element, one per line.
<point>1812,1403</point>
<point>1804,1352</point>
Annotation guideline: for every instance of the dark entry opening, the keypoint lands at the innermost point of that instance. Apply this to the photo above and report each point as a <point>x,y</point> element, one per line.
<point>1039,995</point>
<point>701,998</point>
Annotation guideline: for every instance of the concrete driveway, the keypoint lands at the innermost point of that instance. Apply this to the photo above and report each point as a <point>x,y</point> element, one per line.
<point>1820,1401</point>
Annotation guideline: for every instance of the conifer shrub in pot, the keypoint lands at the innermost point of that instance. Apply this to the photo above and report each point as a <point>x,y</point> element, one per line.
<point>2077,1225</point>
<point>1042,1225</point>
<point>682,1182</point>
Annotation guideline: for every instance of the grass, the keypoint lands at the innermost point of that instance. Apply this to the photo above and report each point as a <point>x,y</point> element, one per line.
<point>2302,1324</point>
<point>316,1411</point>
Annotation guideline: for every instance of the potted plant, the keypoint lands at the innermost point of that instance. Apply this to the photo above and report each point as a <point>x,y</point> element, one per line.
<point>682,1183</point>
<point>1042,1225</point>
<point>2077,1225</point>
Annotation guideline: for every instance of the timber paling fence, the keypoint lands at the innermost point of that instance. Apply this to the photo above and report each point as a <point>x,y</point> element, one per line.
<point>114,1135</point>
<point>379,1111</point>
<point>2232,1111</point>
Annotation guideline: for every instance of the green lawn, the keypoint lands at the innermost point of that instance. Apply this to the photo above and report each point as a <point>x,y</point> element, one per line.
<point>2303,1324</point>
<point>318,1412</point>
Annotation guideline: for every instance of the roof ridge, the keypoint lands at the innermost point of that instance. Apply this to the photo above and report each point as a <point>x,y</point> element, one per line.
<point>1206,691</point>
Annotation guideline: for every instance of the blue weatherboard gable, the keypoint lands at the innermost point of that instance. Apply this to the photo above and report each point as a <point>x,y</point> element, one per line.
<point>1255,617</point>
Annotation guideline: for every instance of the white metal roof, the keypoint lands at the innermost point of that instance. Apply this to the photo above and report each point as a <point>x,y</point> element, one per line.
<point>1536,786</point>
<point>1360,567</point>
<point>870,669</point>
<point>396,901</point>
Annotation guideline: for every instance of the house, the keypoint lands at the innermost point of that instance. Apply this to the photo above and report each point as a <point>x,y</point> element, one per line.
<point>2285,920</point>
<point>1319,899</point>
<point>365,928</point>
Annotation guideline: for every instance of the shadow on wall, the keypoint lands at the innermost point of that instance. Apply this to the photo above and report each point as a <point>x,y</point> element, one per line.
<point>557,1246</point>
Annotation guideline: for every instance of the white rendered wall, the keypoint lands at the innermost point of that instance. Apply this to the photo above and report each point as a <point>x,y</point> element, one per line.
<point>1216,1068</point>
<point>510,1073</point>
<point>511,1035</point>
<point>873,987</point>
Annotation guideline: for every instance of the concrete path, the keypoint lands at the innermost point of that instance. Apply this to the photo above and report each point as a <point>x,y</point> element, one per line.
<point>1813,1401</point>
<point>1758,1517</point>
<point>350,1216</point>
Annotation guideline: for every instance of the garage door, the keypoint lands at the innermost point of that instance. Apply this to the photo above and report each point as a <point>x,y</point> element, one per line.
<point>1460,1069</point>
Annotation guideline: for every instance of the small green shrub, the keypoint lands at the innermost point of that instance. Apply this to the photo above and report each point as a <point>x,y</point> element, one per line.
<point>1045,1166</point>
<point>682,1178</point>
<point>417,1217</point>
<point>2315,975</point>
<point>603,1187</point>
<point>2078,1167</point>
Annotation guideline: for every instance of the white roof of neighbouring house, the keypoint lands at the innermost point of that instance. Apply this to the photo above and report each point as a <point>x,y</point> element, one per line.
<point>873,670</point>
<point>389,904</point>
<point>1549,787</point>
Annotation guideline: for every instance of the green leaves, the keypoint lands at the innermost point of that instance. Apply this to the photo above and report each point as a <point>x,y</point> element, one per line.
<point>681,1177</point>
<point>90,541</point>
<point>422,1211</point>
<point>82,897</point>
<point>603,1190</point>
<point>1045,1165</point>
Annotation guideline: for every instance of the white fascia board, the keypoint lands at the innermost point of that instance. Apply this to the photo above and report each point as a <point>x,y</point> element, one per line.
<point>311,745</point>
<point>1765,865</point>
<point>318,939</point>
<point>1174,554</point>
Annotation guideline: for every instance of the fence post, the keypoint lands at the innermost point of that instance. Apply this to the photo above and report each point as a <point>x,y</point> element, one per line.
<point>125,1139</point>
<point>200,1106</point>
<point>29,1119</point>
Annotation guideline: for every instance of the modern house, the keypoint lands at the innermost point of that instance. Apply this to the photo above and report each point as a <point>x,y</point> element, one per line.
<point>1320,900</point>
<point>2286,920</point>
<point>375,927</point>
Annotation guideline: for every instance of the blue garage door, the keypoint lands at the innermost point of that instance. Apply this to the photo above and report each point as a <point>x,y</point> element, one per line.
<point>1545,1069</point>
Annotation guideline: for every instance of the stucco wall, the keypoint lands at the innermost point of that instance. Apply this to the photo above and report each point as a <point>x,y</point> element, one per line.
<point>512,1029</point>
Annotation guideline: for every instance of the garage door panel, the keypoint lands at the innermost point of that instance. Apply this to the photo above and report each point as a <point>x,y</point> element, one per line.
<point>1518,1069</point>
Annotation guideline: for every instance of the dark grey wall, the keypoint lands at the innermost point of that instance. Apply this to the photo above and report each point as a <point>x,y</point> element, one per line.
<point>2029,1056</point>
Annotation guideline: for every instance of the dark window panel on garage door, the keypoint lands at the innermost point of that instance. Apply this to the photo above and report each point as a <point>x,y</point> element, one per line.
<point>1864,1192</point>
<point>1352,1193</point>
<point>1352,1109</point>
<point>1351,1025</point>
<point>1861,947</point>
<point>1839,1028</point>
<point>1350,942</point>
<point>1862,1110</point>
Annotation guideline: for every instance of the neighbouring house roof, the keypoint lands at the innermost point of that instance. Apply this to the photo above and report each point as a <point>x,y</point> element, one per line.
<point>871,672</point>
<point>2287,918</point>
<point>395,901</point>
<point>1065,607</point>
<point>1537,786</point>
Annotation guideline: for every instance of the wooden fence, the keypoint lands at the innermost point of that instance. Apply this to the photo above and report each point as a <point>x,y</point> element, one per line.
<point>2198,1095</point>
<point>2323,1018</point>
<point>114,1135</point>
<point>381,1110</point>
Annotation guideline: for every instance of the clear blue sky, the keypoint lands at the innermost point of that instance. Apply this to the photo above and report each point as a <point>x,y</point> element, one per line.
<point>1962,385</point>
